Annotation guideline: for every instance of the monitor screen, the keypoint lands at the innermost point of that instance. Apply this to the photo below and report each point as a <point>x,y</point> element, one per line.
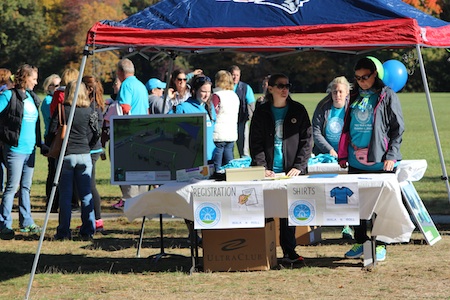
<point>149,149</point>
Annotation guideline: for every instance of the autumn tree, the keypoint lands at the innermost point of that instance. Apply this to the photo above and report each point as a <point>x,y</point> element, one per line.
<point>21,33</point>
<point>431,7</point>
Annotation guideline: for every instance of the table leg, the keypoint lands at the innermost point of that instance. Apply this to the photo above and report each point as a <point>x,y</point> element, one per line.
<point>141,234</point>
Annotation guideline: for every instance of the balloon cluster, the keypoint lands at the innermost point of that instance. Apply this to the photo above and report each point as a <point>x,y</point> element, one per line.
<point>392,72</point>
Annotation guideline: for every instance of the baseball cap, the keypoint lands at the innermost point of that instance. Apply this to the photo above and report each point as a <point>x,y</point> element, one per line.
<point>154,83</point>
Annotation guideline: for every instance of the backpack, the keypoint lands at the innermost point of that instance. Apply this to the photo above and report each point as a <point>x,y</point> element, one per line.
<point>241,91</point>
<point>8,118</point>
<point>93,125</point>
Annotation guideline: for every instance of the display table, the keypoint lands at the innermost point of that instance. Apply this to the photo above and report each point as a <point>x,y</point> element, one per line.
<point>379,193</point>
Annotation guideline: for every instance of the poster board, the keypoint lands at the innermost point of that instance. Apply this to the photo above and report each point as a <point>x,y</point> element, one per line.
<point>149,149</point>
<point>223,207</point>
<point>323,204</point>
<point>419,213</point>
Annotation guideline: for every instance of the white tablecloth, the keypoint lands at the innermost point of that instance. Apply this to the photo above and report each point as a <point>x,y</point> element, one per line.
<point>411,170</point>
<point>379,193</point>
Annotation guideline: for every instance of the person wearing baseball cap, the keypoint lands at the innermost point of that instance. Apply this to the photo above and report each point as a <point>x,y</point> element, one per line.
<point>155,89</point>
<point>155,83</point>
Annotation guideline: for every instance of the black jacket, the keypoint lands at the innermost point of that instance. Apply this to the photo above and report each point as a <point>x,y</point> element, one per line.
<point>12,115</point>
<point>297,137</point>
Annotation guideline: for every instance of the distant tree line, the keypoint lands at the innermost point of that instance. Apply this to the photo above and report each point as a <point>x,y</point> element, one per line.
<point>51,35</point>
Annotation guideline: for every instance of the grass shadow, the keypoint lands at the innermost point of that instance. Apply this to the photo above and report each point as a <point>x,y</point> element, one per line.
<point>117,244</point>
<point>80,264</point>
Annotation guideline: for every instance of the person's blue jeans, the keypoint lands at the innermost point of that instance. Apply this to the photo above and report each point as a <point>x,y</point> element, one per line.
<point>76,169</point>
<point>2,164</point>
<point>222,154</point>
<point>20,168</point>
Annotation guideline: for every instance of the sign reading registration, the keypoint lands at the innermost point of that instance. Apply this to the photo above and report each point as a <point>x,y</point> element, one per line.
<point>228,206</point>
<point>323,204</point>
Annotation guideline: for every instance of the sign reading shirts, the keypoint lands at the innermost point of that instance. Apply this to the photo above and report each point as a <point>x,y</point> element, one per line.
<point>228,206</point>
<point>323,204</point>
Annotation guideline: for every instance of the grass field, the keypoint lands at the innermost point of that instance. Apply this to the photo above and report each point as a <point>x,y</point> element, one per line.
<point>108,269</point>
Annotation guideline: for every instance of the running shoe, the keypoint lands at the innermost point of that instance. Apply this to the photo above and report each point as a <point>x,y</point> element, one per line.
<point>119,205</point>
<point>355,252</point>
<point>33,228</point>
<point>347,233</point>
<point>293,259</point>
<point>380,252</point>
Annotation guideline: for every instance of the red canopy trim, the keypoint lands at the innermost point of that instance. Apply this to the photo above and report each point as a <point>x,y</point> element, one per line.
<point>436,37</point>
<point>395,32</point>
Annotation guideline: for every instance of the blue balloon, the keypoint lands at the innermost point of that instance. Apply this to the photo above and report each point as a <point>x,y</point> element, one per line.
<point>395,74</point>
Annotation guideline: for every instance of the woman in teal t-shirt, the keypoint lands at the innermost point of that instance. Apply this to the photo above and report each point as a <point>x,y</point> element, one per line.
<point>19,147</point>
<point>201,87</point>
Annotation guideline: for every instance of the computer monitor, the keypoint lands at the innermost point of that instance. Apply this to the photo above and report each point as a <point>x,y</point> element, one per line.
<point>149,149</point>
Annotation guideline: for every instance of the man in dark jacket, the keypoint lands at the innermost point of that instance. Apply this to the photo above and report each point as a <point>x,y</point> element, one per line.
<point>246,107</point>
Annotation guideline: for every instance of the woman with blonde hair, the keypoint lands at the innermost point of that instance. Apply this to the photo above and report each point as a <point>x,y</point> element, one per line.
<point>67,76</point>
<point>328,117</point>
<point>76,166</point>
<point>70,74</point>
<point>327,123</point>
<point>51,83</point>
<point>226,105</point>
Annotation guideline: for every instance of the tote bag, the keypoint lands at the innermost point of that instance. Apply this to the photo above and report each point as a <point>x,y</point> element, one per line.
<point>55,147</point>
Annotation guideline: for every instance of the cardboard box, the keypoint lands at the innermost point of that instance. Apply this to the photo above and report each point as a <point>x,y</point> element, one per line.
<point>244,174</point>
<point>246,249</point>
<point>203,172</point>
<point>305,235</point>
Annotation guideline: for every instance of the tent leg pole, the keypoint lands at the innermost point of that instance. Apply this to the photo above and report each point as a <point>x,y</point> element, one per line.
<point>57,175</point>
<point>169,72</point>
<point>433,120</point>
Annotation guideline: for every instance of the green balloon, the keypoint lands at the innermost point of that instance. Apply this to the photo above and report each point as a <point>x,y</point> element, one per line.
<point>379,65</point>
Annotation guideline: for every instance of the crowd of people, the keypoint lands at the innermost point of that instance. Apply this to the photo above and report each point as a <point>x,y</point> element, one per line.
<point>359,125</point>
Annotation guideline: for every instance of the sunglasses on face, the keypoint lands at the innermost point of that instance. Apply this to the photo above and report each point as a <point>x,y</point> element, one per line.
<point>283,86</point>
<point>364,77</point>
<point>181,79</point>
<point>55,85</point>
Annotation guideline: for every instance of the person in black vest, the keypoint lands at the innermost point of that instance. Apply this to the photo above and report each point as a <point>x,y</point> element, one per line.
<point>246,108</point>
<point>6,83</point>
<point>20,134</point>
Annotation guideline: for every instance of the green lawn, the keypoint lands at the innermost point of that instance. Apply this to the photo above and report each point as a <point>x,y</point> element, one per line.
<point>418,143</point>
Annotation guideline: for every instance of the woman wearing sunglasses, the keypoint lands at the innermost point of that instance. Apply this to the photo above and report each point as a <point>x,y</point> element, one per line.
<point>199,103</point>
<point>179,91</point>
<point>371,136</point>
<point>281,140</point>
